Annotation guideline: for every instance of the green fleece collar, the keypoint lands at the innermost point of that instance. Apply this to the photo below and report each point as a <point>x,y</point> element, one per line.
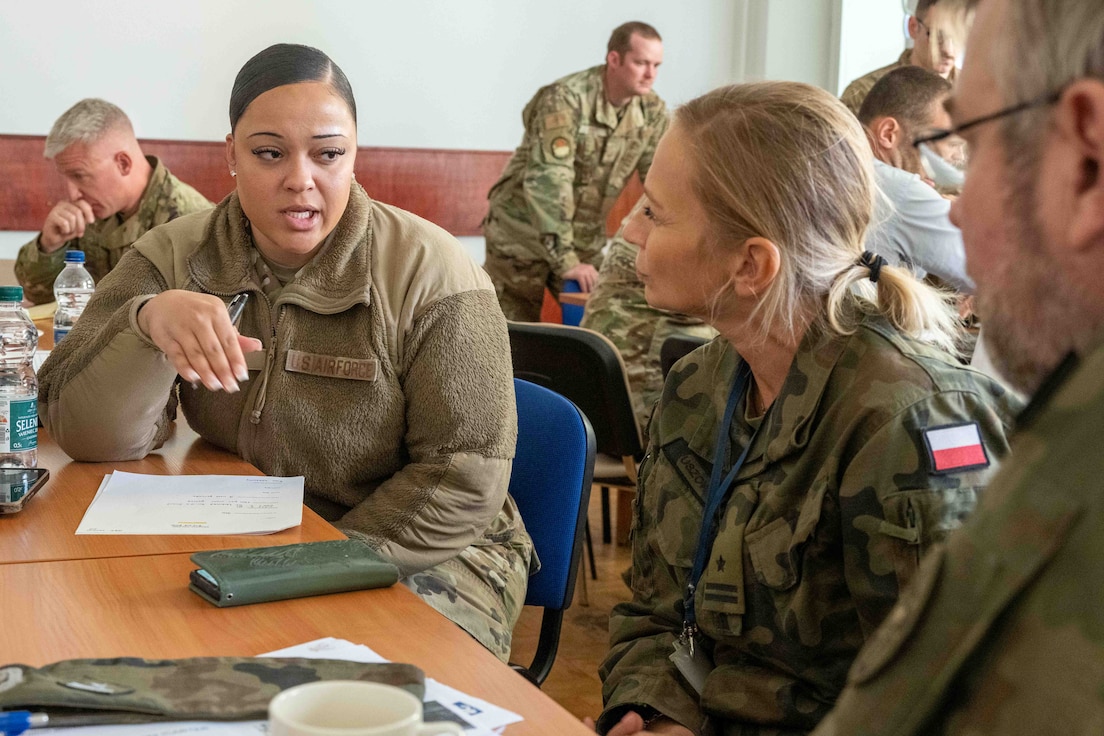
<point>339,277</point>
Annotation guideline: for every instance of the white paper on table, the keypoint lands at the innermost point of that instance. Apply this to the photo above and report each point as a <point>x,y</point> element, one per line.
<point>133,503</point>
<point>40,357</point>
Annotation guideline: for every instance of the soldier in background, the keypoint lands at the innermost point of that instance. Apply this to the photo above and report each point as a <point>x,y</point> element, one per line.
<point>585,135</point>
<point>115,194</point>
<point>1001,630</point>
<point>935,34</point>
<point>618,310</point>
<point>912,225</point>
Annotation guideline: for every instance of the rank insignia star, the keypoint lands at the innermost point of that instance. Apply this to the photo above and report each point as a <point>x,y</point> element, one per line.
<point>721,563</point>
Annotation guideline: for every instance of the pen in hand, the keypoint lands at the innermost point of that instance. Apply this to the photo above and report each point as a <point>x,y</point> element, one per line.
<point>236,306</point>
<point>15,722</point>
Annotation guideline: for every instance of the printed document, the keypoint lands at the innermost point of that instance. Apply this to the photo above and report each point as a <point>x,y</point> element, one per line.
<point>132,503</point>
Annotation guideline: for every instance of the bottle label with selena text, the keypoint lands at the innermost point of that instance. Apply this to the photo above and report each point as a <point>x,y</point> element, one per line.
<point>59,334</point>
<point>18,424</point>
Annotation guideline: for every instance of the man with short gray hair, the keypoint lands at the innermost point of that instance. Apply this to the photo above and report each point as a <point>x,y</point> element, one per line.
<point>115,194</point>
<point>1001,630</point>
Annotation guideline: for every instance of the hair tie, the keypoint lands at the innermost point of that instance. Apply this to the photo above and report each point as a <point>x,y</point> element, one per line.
<point>874,262</point>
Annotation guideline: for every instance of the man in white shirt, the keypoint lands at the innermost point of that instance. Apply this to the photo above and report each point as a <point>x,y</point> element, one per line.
<point>912,226</point>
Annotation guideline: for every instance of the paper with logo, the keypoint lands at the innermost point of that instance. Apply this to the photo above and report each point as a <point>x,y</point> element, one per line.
<point>132,503</point>
<point>237,577</point>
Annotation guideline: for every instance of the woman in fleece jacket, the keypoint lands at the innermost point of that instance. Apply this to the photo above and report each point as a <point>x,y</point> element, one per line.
<point>371,358</point>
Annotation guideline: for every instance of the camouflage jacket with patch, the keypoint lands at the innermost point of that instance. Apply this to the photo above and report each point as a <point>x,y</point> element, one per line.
<point>105,241</point>
<point>577,155</point>
<point>1002,631</point>
<point>822,527</point>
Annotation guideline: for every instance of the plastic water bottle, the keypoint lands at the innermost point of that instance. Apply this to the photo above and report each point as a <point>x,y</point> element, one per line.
<point>18,385</point>
<point>72,289</point>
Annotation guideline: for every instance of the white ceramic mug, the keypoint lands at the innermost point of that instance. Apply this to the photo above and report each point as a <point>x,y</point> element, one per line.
<point>349,708</point>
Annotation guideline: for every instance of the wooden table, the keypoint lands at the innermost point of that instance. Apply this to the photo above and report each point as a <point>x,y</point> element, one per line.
<point>44,529</point>
<point>140,606</point>
<point>69,597</point>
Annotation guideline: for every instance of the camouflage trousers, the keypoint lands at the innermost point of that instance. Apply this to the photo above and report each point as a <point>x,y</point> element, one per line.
<point>617,309</point>
<point>520,275</point>
<point>481,590</point>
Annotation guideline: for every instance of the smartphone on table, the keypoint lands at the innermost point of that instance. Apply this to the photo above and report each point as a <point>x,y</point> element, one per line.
<point>17,485</point>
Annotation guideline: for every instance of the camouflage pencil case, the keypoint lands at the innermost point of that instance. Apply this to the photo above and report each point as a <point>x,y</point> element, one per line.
<point>88,692</point>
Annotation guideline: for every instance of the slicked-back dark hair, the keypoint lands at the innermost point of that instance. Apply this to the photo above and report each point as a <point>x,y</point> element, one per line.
<point>286,63</point>
<point>907,95</point>
<point>621,38</point>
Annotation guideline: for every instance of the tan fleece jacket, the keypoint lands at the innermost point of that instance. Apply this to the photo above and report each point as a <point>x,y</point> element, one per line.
<point>413,455</point>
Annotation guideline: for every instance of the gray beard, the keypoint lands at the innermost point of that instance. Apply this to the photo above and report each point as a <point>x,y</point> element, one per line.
<point>1034,317</point>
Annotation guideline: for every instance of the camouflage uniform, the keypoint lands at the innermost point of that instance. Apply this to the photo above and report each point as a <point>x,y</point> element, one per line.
<point>857,91</point>
<point>548,210</point>
<point>617,309</point>
<point>822,527</point>
<point>88,692</point>
<point>1001,631</point>
<point>105,241</point>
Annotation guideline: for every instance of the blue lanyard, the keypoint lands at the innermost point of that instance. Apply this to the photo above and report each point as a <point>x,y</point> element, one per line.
<point>718,491</point>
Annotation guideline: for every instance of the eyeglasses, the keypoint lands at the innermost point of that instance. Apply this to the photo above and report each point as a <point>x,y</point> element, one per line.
<point>937,135</point>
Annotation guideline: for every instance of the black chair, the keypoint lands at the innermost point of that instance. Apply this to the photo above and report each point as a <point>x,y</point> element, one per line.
<point>676,346</point>
<point>550,483</point>
<point>586,367</point>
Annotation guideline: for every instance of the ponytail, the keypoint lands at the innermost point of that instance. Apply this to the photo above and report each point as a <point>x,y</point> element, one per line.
<point>911,306</point>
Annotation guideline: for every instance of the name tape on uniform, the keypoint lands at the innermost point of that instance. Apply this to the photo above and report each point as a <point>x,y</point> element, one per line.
<point>331,366</point>
<point>955,447</point>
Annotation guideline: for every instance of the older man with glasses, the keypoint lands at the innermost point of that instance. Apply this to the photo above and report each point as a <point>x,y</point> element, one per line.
<point>1001,630</point>
<point>934,36</point>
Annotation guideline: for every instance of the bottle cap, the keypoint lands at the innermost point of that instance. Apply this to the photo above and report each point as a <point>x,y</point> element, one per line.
<point>11,293</point>
<point>74,256</point>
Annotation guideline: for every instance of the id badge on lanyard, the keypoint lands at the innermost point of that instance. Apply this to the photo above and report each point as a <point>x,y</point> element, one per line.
<point>691,659</point>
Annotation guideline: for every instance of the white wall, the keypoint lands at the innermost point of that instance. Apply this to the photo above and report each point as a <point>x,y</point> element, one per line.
<point>426,73</point>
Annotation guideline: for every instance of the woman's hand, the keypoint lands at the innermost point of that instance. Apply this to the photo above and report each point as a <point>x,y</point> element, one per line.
<point>194,331</point>
<point>632,724</point>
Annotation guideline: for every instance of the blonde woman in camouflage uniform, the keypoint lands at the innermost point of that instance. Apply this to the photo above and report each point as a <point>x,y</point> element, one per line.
<point>372,356</point>
<point>801,463</point>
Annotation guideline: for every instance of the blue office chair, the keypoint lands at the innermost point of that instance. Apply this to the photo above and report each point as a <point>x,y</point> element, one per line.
<point>572,314</point>
<point>551,478</point>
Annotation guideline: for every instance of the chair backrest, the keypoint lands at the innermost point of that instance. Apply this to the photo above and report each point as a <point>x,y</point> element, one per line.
<point>676,346</point>
<point>550,482</point>
<point>584,366</point>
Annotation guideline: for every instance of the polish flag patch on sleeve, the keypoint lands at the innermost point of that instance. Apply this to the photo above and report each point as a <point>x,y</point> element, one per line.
<point>955,447</point>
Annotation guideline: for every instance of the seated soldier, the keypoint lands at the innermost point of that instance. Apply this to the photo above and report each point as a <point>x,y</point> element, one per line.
<point>115,194</point>
<point>911,225</point>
